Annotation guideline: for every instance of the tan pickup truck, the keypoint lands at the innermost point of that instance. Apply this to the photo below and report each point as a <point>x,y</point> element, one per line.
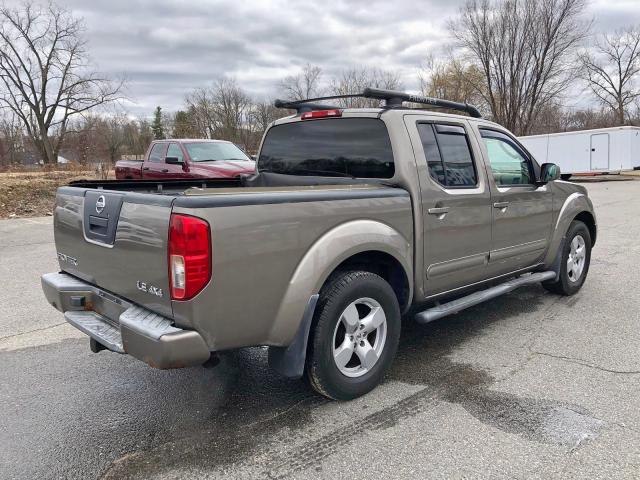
<point>353,217</point>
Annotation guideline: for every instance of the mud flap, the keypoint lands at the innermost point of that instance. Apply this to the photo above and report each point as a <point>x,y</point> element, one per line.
<point>556,266</point>
<point>289,361</point>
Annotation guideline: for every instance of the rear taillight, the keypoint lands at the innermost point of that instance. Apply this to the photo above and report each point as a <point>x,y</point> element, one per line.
<point>189,256</point>
<point>334,112</point>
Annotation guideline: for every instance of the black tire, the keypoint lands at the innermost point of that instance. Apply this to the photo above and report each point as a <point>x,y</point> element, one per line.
<point>336,295</point>
<point>565,285</point>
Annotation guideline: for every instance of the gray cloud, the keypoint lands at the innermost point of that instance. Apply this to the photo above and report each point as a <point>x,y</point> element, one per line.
<point>165,48</point>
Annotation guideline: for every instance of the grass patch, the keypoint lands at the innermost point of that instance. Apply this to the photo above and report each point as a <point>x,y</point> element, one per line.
<point>32,194</point>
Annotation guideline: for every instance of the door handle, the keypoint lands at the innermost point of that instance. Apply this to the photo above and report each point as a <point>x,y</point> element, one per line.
<point>145,168</point>
<point>164,170</point>
<point>501,205</point>
<point>438,211</point>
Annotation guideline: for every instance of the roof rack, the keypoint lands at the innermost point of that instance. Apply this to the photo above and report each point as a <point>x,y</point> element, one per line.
<point>302,106</point>
<point>392,99</point>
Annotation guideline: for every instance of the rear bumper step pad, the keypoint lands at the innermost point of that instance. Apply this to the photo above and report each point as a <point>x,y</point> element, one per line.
<point>124,327</point>
<point>98,328</point>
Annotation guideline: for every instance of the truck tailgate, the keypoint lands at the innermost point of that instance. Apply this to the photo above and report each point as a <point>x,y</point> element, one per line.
<point>117,241</point>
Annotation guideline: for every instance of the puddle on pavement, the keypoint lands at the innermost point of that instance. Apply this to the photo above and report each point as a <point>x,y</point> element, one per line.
<point>539,420</point>
<point>424,360</point>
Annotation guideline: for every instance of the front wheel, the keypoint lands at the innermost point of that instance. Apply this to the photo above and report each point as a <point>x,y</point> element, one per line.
<point>355,335</point>
<point>574,264</point>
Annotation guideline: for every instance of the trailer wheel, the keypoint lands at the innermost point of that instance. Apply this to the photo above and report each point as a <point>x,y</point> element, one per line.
<point>355,335</point>
<point>565,176</point>
<point>574,264</point>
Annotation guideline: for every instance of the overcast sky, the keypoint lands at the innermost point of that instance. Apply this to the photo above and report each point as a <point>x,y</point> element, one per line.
<point>165,48</point>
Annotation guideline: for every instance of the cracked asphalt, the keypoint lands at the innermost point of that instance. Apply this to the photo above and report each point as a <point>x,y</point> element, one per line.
<point>530,385</point>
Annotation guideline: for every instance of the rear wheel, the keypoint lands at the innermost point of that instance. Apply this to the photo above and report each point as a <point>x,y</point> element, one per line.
<point>574,264</point>
<point>355,335</point>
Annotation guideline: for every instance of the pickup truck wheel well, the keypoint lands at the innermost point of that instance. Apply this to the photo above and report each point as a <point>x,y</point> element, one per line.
<point>590,222</point>
<point>384,265</point>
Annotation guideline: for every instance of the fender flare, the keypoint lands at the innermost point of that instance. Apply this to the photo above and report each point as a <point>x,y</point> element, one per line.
<point>574,204</point>
<point>325,255</point>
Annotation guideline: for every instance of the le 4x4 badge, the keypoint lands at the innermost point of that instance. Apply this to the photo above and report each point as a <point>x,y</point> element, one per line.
<point>143,286</point>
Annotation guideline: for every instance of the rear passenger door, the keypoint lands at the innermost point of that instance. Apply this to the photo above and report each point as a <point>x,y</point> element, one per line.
<point>455,204</point>
<point>521,210</point>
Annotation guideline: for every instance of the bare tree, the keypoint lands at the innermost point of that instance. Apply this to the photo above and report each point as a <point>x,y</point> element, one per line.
<point>183,125</point>
<point>452,79</point>
<point>221,111</point>
<point>525,50</point>
<point>263,113</point>
<point>11,140</point>
<point>45,76</point>
<point>82,142</point>
<point>138,136</point>
<point>201,107</point>
<point>590,118</point>
<point>304,85</point>
<point>112,129</point>
<point>356,79</point>
<point>232,107</point>
<point>611,70</point>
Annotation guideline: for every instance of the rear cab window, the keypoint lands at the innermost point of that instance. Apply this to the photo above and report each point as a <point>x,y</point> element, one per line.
<point>337,147</point>
<point>448,154</point>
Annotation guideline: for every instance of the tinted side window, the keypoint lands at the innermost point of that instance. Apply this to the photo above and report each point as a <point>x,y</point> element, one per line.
<point>339,147</point>
<point>509,165</point>
<point>431,151</point>
<point>448,155</point>
<point>175,151</point>
<point>157,152</point>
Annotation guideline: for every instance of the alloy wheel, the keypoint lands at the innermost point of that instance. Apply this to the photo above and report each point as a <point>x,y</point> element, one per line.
<point>576,259</point>
<point>359,337</point>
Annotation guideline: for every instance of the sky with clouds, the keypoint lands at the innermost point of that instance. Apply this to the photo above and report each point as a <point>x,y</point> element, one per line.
<point>165,48</point>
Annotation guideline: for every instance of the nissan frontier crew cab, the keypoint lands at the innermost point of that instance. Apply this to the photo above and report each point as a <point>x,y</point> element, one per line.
<point>355,217</point>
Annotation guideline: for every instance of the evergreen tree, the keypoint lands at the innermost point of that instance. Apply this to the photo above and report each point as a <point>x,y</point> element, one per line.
<point>156,125</point>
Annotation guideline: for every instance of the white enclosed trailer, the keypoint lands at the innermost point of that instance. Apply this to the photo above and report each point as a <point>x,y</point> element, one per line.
<point>599,151</point>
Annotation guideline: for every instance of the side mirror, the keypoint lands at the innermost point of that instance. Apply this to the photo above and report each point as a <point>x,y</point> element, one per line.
<point>549,172</point>
<point>173,161</point>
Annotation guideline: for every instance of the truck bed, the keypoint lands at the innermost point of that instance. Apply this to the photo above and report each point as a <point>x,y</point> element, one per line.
<point>114,235</point>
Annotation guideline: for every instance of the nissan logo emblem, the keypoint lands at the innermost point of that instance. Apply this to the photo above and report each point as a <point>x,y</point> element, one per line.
<point>100,203</point>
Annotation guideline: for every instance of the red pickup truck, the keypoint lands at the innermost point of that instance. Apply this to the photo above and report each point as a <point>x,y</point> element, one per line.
<point>167,159</point>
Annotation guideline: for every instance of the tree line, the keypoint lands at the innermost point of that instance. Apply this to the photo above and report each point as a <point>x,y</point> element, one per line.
<point>521,62</point>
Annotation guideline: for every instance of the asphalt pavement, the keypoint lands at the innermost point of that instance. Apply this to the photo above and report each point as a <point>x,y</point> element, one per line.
<point>530,385</point>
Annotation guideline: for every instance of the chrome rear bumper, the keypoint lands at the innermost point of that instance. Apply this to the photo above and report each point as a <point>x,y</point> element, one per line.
<point>123,327</point>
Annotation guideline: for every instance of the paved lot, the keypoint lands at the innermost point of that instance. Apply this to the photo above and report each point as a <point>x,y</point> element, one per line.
<point>529,386</point>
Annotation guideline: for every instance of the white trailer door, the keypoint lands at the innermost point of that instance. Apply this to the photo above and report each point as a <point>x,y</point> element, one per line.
<point>600,151</point>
